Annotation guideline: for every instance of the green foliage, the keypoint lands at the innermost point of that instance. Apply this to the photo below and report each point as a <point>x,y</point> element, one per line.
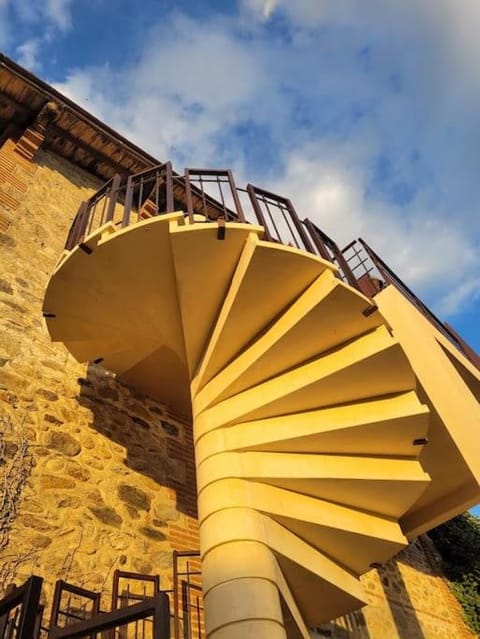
<point>458,542</point>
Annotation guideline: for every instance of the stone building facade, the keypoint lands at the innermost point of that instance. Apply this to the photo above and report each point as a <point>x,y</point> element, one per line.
<point>96,477</point>
<point>108,477</point>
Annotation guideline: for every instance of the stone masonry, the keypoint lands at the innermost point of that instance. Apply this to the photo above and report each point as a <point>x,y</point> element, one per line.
<point>109,475</point>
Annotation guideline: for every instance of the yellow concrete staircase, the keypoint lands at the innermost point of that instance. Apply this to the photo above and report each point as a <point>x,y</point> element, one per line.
<point>306,422</point>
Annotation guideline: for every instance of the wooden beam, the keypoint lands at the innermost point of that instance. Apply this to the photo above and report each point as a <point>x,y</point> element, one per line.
<point>56,131</point>
<point>11,102</point>
<point>13,70</point>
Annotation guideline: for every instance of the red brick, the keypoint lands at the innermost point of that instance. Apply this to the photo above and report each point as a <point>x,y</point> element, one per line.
<point>8,201</point>
<point>5,162</point>
<point>7,176</point>
<point>4,223</point>
<point>29,143</point>
<point>9,153</point>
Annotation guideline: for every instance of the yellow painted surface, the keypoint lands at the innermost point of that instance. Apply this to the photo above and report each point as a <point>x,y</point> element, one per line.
<point>452,456</point>
<point>268,279</point>
<point>372,365</point>
<point>89,296</point>
<point>330,585</point>
<point>361,482</point>
<point>204,267</point>
<point>244,599</point>
<point>386,426</point>
<point>305,411</point>
<point>320,319</point>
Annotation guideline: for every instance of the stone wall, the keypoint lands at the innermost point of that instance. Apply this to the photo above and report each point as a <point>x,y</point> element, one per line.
<point>99,477</point>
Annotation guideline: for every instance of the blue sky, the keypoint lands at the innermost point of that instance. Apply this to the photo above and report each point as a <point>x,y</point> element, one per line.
<point>367,114</point>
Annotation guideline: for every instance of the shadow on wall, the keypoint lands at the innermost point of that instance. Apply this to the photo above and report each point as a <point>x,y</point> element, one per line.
<point>399,601</point>
<point>351,626</point>
<point>73,173</point>
<point>392,613</point>
<point>156,443</point>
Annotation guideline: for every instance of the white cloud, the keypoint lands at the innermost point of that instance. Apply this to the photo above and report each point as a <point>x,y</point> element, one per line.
<point>58,12</point>
<point>435,258</point>
<point>305,13</point>
<point>260,8</point>
<point>190,82</point>
<point>28,54</point>
<point>49,13</point>
<point>42,19</point>
<point>89,88</point>
<point>465,293</point>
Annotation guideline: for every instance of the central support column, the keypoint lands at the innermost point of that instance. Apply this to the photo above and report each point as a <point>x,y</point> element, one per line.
<point>239,573</point>
<point>239,579</point>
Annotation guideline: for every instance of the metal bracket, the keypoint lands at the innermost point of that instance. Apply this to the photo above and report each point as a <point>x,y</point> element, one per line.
<point>421,441</point>
<point>85,248</point>
<point>221,231</point>
<point>370,310</point>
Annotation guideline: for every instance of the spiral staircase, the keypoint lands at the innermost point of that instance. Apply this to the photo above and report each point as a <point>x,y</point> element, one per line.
<point>308,429</point>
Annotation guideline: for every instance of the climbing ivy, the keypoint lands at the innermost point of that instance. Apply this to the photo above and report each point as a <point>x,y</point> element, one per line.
<point>458,542</point>
<point>15,468</point>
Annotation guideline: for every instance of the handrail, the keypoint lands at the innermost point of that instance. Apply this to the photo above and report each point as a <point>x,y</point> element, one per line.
<point>157,606</point>
<point>329,250</point>
<point>288,216</point>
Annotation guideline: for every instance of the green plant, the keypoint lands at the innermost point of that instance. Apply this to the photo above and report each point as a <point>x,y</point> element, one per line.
<point>458,542</point>
<point>15,469</point>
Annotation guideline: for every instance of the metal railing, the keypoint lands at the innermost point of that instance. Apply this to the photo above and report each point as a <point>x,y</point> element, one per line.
<point>204,195</point>
<point>20,611</point>
<point>154,609</point>
<point>72,604</point>
<point>329,250</point>
<point>132,587</point>
<point>187,595</point>
<point>200,202</point>
<point>211,195</point>
<point>382,275</point>
<point>139,610</point>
